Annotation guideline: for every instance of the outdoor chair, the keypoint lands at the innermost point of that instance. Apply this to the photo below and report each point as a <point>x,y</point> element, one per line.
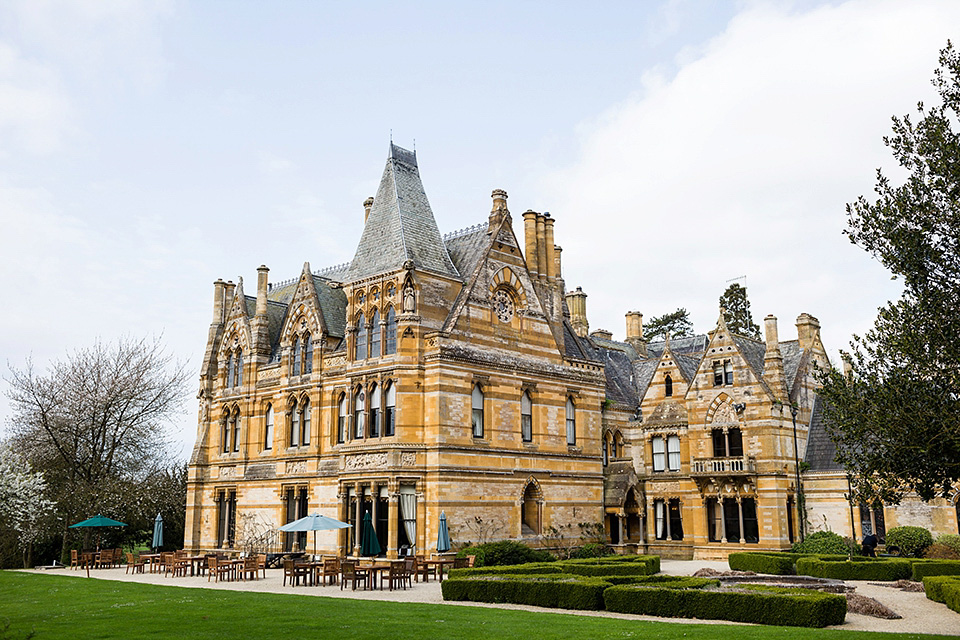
<point>460,563</point>
<point>421,568</point>
<point>409,563</point>
<point>262,563</point>
<point>74,559</point>
<point>117,557</point>
<point>105,560</point>
<point>251,568</point>
<point>218,568</point>
<point>471,560</point>
<point>397,576</point>
<point>350,572</point>
<point>294,571</point>
<point>330,570</point>
<point>135,564</point>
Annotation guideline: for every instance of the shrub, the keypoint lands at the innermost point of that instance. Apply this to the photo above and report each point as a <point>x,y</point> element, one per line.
<point>951,595</point>
<point>913,541</point>
<point>933,585</point>
<point>811,609</point>
<point>539,568</point>
<point>554,591</point>
<point>609,569</point>
<point>950,540</point>
<point>781,564</point>
<point>822,542</point>
<point>924,568</point>
<point>939,551</point>
<point>504,552</point>
<point>591,550</point>
<point>878,569</point>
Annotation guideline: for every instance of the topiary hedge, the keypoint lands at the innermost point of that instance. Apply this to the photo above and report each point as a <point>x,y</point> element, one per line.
<point>924,568</point>
<point>504,552</point>
<point>822,542</point>
<point>934,586</point>
<point>781,564</point>
<point>913,541</point>
<point>878,569</point>
<point>811,609</point>
<point>633,566</point>
<point>554,591</point>
<point>540,568</point>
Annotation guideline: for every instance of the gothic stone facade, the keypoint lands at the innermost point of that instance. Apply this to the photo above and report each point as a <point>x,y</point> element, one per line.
<point>451,375</point>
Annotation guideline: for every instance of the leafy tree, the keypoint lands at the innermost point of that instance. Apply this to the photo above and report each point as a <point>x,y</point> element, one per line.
<point>677,324</point>
<point>24,510</point>
<point>94,425</point>
<point>896,418</point>
<point>736,312</point>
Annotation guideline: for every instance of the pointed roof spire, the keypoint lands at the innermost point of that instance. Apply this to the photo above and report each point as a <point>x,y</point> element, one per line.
<point>401,226</point>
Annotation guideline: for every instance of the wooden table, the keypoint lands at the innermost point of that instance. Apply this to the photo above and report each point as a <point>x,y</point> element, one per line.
<point>439,563</point>
<point>152,559</point>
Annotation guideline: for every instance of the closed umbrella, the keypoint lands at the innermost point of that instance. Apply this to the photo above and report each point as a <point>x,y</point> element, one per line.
<point>443,536</point>
<point>315,522</point>
<point>157,532</point>
<point>369,546</point>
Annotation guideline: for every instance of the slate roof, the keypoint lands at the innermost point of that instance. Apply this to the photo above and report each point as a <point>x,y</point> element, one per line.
<point>688,365</point>
<point>821,450</point>
<point>400,226</point>
<point>333,305</point>
<point>467,247</point>
<point>792,357</point>
<point>752,351</point>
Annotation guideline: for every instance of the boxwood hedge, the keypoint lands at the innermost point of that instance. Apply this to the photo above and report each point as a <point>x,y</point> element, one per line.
<point>811,609</point>
<point>934,585</point>
<point>564,591</point>
<point>880,569</point>
<point>542,568</point>
<point>781,564</point>
<point>924,568</point>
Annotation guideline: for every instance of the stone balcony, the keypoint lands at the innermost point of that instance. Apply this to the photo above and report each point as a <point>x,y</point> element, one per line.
<point>738,465</point>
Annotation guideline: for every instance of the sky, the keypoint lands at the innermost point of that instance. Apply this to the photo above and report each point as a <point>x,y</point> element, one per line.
<point>149,148</point>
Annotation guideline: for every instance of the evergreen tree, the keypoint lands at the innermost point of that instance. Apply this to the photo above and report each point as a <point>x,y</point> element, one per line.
<point>736,312</point>
<point>896,419</point>
<point>677,324</point>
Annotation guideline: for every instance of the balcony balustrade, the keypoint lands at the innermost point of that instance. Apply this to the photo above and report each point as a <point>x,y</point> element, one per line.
<point>723,466</point>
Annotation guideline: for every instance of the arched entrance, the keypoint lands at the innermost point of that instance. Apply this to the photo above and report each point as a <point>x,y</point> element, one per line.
<point>530,510</point>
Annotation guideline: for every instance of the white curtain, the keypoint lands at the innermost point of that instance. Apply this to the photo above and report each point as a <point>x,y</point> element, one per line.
<point>659,509</point>
<point>408,510</point>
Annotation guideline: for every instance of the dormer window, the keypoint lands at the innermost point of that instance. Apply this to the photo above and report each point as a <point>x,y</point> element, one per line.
<point>308,353</point>
<point>668,385</point>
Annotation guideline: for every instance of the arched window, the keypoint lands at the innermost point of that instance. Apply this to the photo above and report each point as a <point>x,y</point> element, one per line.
<point>305,422</point>
<point>231,365</point>
<point>225,434</point>
<point>294,425</point>
<point>238,380</point>
<point>342,418</point>
<point>571,423</point>
<point>358,415</point>
<point>526,417</point>
<point>530,511</point>
<point>296,356</point>
<point>308,353</point>
<point>375,335</point>
<point>477,413</point>
<point>360,353</point>
<point>268,428</point>
<point>606,445</point>
<point>375,411</point>
<point>668,383</point>
<point>391,331</point>
<point>235,424</point>
<point>390,410</point>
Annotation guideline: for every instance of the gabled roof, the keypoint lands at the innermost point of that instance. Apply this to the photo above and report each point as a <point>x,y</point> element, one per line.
<point>466,247</point>
<point>400,226</point>
<point>821,451</point>
<point>752,351</point>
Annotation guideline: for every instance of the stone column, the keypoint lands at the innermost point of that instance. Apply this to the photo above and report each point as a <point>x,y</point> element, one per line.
<point>393,518</point>
<point>722,505</point>
<point>740,515</point>
<point>359,514</point>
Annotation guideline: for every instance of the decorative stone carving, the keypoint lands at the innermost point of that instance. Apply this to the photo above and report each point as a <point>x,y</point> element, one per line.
<point>408,459</point>
<point>366,461</point>
<point>228,472</point>
<point>409,300</point>
<point>336,361</point>
<point>725,415</point>
<point>296,466</point>
<point>264,375</point>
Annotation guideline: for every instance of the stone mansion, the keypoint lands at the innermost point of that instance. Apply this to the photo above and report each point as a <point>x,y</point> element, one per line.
<point>455,374</point>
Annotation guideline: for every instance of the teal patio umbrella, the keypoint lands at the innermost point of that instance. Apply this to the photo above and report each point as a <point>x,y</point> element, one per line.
<point>443,536</point>
<point>369,546</point>
<point>315,522</point>
<point>97,521</point>
<point>157,532</point>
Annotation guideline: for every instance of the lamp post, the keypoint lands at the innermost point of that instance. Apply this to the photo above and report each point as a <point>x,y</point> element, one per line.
<point>796,467</point>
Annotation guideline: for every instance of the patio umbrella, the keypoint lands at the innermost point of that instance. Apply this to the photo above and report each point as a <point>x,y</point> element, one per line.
<point>369,546</point>
<point>443,536</point>
<point>315,522</point>
<point>97,521</point>
<point>157,532</point>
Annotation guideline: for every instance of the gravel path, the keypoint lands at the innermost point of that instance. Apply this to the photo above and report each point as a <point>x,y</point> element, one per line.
<point>920,615</point>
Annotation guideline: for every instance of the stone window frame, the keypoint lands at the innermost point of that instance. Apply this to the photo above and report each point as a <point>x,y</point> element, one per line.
<point>269,424</point>
<point>527,390</point>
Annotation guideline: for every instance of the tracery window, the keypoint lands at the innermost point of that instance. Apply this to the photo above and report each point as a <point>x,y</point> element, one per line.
<point>360,352</point>
<point>375,411</point>
<point>238,373</point>
<point>390,410</point>
<point>391,332</point>
<point>308,353</point>
<point>235,427</point>
<point>375,335</point>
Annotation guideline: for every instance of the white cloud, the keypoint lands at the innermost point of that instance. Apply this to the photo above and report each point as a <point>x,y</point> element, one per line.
<point>741,163</point>
<point>34,110</point>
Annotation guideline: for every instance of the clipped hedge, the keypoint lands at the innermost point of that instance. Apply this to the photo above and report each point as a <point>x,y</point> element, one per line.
<point>880,569</point>
<point>554,591</point>
<point>504,552</point>
<point>822,542</point>
<point>611,568</point>
<point>913,541</point>
<point>812,609</point>
<point>933,585</point>
<point>924,568</point>
<point>538,568</point>
<point>780,564</point>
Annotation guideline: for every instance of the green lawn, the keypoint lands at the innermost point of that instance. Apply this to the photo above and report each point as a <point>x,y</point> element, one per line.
<point>56,606</point>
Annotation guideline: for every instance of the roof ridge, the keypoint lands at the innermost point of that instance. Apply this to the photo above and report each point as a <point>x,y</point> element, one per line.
<point>464,232</point>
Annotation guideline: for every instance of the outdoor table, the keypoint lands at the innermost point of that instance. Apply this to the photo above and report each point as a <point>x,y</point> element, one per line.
<point>376,569</point>
<point>197,564</point>
<point>439,563</point>
<point>152,559</point>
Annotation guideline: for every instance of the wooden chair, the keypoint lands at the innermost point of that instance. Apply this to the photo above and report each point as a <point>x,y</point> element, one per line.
<point>262,563</point>
<point>329,571</point>
<point>105,559</point>
<point>397,575</point>
<point>421,568</point>
<point>251,568</point>
<point>460,563</point>
<point>471,560</point>
<point>350,572</point>
<point>294,571</point>
<point>218,568</point>
<point>117,557</point>
<point>135,564</point>
<point>74,559</point>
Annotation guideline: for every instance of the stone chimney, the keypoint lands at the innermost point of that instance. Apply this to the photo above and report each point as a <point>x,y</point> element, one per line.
<point>635,332</point>
<point>541,247</point>
<point>499,210</point>
<point>808,329</point>
<point>229,288</point>
<point>773,360</point>
<point>577,304</point>
<point>557,250</point>
<point>847,365</point>
<point>551,249</point>
<point>260,327</point>
<point>219,297</point>
<point>530,241</point>
<point>603,334</point>
<point>262,273</point>
<point>367,205</point>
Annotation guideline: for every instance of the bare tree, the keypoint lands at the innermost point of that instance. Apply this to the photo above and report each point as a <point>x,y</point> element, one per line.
<point>96,420</point>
